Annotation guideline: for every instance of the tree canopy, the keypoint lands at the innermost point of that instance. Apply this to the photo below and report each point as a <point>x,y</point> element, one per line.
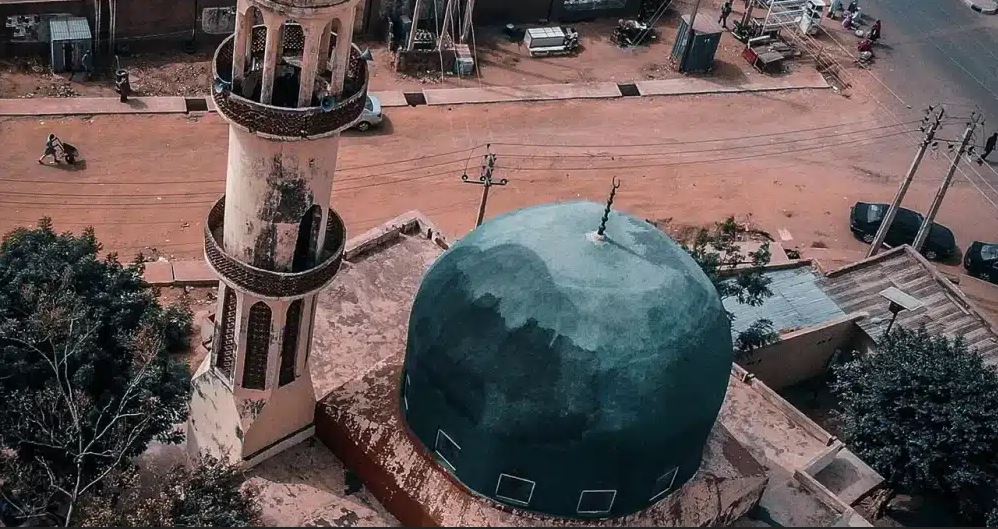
<point>718,252</point>
<point>86,375</point>
<point>209,493</point>
<point>923,411</point>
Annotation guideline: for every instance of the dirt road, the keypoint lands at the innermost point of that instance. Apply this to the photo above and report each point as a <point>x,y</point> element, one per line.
<point>786,163</point>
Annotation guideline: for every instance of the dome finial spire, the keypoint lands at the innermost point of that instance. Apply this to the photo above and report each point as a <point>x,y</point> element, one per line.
<point>609,203</point>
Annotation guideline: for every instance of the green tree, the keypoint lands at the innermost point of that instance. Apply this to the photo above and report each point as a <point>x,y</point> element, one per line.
<point>210,493</point>
<point>86,378</point>
<point>718,252</point>
<point>923,411</point>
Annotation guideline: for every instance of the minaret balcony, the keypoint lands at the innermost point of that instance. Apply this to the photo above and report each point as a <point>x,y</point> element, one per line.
<point>328,114</point>
<point>269,284</point>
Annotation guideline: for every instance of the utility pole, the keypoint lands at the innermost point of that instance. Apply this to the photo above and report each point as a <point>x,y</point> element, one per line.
<point>485,180</point>
<point>888,219</point>
<point>690,34</point>
<point>469,10</point>
<point>923,232</point>
<point>445,38</point>
<point>748,12</point>
<point>415,24</point>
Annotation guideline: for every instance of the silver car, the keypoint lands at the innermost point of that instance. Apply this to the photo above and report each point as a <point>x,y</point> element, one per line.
<point>371,116</point>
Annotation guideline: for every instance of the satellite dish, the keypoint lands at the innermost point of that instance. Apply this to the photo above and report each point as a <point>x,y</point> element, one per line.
<point>367,55</point>
<point>328,103</point>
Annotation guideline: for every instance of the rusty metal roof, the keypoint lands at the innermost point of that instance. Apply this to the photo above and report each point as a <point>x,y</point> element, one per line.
<point>946,309</point>
<point>72,28</point>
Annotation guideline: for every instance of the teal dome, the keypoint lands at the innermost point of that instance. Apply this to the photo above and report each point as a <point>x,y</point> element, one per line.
<point>553,371</point>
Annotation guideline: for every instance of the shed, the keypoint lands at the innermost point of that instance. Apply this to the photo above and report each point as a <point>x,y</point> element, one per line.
<point>702,46</point>
<point>70,40</point>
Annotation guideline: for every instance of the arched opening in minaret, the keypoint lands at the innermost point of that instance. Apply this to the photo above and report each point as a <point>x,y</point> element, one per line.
<point>289,346</point>
<point>255,41</point>
<point>306,247</point>
<point>257,347</point>
<point>224,344</point>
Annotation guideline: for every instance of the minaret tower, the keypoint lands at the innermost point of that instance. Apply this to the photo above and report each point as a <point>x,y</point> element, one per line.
<point>288,82</point>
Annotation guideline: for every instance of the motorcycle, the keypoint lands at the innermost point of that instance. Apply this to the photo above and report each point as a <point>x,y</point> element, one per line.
<point>630,32</point>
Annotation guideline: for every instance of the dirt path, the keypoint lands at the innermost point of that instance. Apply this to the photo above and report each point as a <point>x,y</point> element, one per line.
<point>148,181</point>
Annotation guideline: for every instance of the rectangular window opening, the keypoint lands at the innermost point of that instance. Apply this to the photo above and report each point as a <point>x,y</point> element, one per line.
<point>446,449</point>
<point>664,483</point>
<point>514,489</point>
<point>596,501</point>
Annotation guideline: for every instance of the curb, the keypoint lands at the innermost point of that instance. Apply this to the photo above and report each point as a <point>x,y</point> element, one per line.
<point>986,7</point>
<point>38,107</point>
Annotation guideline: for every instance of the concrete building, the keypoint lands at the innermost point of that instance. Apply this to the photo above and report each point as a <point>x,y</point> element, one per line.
<point>818,313</point>
<point>287,87</point>
<point>763,462</point>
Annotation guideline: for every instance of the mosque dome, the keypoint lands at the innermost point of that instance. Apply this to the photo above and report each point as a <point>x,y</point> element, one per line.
<point>555,371</point>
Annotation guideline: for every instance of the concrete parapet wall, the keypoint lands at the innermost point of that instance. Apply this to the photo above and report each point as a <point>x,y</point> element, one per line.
<point>802,354</point>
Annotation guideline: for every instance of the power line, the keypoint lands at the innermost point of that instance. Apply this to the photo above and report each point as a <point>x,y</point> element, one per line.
<point>716,149</point>
<point>710,140</point>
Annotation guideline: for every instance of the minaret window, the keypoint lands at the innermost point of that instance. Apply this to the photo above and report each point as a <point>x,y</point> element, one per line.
<point>289,348</point>
<point>306,247</point>
<point>257,346</point>
<point>225,342</point>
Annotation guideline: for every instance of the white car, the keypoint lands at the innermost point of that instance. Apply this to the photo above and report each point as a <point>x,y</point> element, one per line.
<point>371,116</point>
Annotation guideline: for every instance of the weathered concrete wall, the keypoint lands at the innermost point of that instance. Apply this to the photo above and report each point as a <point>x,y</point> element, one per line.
<point>361,423</point>
<point>230,420</point>
<point>37,45</point>
<point>269,188</point>
<point>803,354</point>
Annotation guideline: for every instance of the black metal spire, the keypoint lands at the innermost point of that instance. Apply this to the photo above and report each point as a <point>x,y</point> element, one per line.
<point>609,203</point>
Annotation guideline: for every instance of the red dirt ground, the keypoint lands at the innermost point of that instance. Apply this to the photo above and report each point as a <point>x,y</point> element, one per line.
<point>148,181</point>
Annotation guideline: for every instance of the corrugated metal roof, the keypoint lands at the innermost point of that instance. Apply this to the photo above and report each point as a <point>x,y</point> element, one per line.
<point>798,301</point>
<point>946,309</point>
<point>74,28</point>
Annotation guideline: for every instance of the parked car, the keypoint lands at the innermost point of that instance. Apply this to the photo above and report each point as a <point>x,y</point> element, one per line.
<point>981,260</point>
<point>866,218</point>
<point>372,115</point>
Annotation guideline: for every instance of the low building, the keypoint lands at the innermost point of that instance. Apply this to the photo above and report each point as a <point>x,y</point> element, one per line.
<point>818,314</point>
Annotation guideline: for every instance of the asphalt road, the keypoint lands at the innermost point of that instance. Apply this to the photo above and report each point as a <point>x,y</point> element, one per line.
<point>940,51</point>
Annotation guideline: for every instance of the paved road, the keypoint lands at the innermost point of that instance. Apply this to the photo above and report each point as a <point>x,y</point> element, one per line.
<point>941,51</point>
<point>938,51</point>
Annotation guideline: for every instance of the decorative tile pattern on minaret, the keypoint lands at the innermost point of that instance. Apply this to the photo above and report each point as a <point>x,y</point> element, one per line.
<point>288,81</point>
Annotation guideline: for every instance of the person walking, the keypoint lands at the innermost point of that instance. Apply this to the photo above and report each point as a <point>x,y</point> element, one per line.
<point>50,149</point>
<point>725,11</point>
<point>989,146</point>
<point>875,31</point>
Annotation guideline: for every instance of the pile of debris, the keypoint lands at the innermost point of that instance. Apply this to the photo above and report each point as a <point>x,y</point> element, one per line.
<point>59,87</point>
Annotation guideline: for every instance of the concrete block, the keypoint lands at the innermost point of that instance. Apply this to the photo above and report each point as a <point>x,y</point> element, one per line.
<point>159,274</point>
<point>68,106</point>
<point>193,273</point>
<point>504,94</point>
<point>391,99</point>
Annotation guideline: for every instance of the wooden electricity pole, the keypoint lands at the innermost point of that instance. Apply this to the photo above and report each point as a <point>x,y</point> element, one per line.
<point>888,219</point>
<point>485,180</point>
<point>923,232</point>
